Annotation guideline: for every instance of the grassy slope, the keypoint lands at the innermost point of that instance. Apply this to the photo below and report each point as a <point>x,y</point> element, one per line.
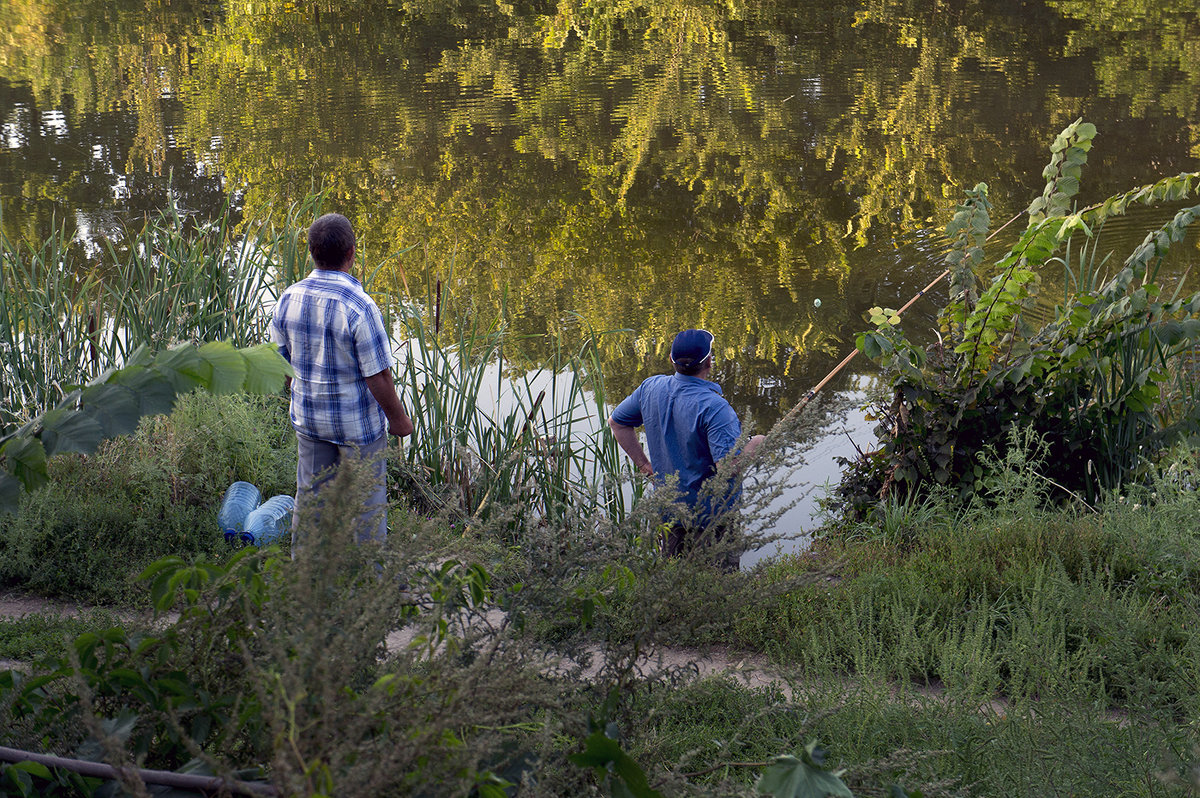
<point>999,650</point>
<point>1006,649</point>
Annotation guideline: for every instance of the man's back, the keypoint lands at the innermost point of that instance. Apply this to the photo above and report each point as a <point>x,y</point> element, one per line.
<point>333,335</point>
<point>689,427</point>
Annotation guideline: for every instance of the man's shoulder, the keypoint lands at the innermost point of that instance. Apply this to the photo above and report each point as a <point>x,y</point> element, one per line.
<point>709,396</point>
<point>654,385</point>
<point>331,285</point>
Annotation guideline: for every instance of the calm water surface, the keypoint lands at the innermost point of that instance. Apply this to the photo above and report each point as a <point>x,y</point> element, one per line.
<point>629,166</point>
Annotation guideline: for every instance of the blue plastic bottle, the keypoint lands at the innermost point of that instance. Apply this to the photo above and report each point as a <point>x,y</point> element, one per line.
<point>270,523</point>
<point>240,500</point>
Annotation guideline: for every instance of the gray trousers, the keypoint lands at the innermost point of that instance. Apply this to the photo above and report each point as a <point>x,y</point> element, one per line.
<point>316,464</point>
<point>680,540</point>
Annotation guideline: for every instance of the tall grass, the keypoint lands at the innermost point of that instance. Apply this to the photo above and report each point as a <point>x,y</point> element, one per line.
<point>533,445</point>
<point>64,320</point>
<point>1008,597</point>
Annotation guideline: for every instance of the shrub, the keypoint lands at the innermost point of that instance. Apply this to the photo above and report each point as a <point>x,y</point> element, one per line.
<point>283,663</point>
<point>1090,382</point>
<point>104,517</point>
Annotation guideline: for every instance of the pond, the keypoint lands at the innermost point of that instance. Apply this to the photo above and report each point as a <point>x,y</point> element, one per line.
<point>628,166</point>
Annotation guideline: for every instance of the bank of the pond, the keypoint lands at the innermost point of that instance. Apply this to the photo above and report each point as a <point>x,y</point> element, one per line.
<point>1004,647</point>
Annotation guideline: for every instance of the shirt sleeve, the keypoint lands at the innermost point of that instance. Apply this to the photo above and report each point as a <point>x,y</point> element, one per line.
<point>723,431</point>
<point>371,343</point>
<point>629,412</point>
<point>276,334</point>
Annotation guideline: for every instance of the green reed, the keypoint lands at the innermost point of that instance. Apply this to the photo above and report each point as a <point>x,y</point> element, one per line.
<point>64,319</point>
<point>533,443</point>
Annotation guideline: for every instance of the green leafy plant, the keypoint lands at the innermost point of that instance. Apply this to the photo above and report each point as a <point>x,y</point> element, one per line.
<point>104,517</point>
<point>115,402</point>
<point>802,777</point>
<point>35,780</point>
<point>613,767</point>
<point>1088,381</point>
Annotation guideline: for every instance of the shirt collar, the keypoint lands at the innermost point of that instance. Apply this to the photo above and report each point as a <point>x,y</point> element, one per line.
<point>709,384</point>
<point>334,275</point>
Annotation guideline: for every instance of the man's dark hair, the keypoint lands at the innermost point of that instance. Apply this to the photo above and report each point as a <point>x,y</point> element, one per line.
<point>689,367</point>
<point>330,241</point>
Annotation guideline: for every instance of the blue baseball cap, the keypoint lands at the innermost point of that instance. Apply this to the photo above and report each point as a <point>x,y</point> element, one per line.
<point>690,347</point>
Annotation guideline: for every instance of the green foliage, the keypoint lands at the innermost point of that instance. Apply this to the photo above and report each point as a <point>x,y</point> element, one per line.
<point>1009,602</point>
<point>1006,597</point>
<point>35,635</point>
<point>802,777</point>
<point>34,780</point>
<point>613,767</point>
<point>282,662</point>
<point>66,321</point>
<point>154,694</point>
<point>967,231</point>
<point>1068,154</point>
<point>115,402</point>
<point>105,516</point>
<point>541,453</point>
<point>1088,381</point>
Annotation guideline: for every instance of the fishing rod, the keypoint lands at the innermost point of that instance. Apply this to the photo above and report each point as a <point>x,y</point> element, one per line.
<point>812,393</point>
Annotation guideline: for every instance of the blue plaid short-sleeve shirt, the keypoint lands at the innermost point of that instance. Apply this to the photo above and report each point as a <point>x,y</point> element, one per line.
<point>332,333</point>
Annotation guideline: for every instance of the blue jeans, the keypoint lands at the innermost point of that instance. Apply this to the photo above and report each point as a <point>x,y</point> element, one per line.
<point>316,464</point>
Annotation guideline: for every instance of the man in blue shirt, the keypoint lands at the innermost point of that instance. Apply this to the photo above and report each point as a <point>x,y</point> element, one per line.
<point>689,428</point>
<point>344,402</point>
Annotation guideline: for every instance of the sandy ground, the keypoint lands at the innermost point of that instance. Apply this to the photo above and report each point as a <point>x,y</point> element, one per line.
<point>751,670</point>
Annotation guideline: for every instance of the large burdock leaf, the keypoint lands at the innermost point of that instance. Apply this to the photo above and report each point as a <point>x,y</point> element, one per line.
<point>228,367</point>
<point>184,367</point>
<point>25,458</point>
<point>789,777</point>
<point>11,491</point>
<point>155,393</point>
<point>265,369</point>
<point>66,430</point>
<point>114,404</point>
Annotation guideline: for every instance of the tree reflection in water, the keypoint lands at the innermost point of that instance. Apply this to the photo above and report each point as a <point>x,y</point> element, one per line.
<point>647,166</point>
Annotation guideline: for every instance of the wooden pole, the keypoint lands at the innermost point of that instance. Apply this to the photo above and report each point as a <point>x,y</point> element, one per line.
<point>184,781</point>
<point>812,393</point>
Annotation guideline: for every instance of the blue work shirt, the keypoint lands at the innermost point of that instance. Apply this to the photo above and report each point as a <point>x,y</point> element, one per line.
<point>689,427</point>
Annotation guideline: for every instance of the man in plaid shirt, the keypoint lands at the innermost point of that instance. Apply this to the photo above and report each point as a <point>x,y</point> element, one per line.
<point>344,403</point>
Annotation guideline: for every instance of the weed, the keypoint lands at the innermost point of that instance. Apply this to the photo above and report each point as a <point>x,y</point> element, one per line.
<point>106,516</point>
<point>33,636</point>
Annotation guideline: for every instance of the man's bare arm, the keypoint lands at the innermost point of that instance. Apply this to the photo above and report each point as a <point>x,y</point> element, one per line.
<point>742,458</point>
<point>384,390</point>
<point>627,439</point>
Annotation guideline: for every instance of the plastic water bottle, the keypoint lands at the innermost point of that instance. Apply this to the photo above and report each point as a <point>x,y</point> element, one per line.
<point>270,522</point>
<point>240,500</point>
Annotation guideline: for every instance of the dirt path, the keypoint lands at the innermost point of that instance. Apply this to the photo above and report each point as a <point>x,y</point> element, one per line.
<point>754,671</point>
<point>19,605</point>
